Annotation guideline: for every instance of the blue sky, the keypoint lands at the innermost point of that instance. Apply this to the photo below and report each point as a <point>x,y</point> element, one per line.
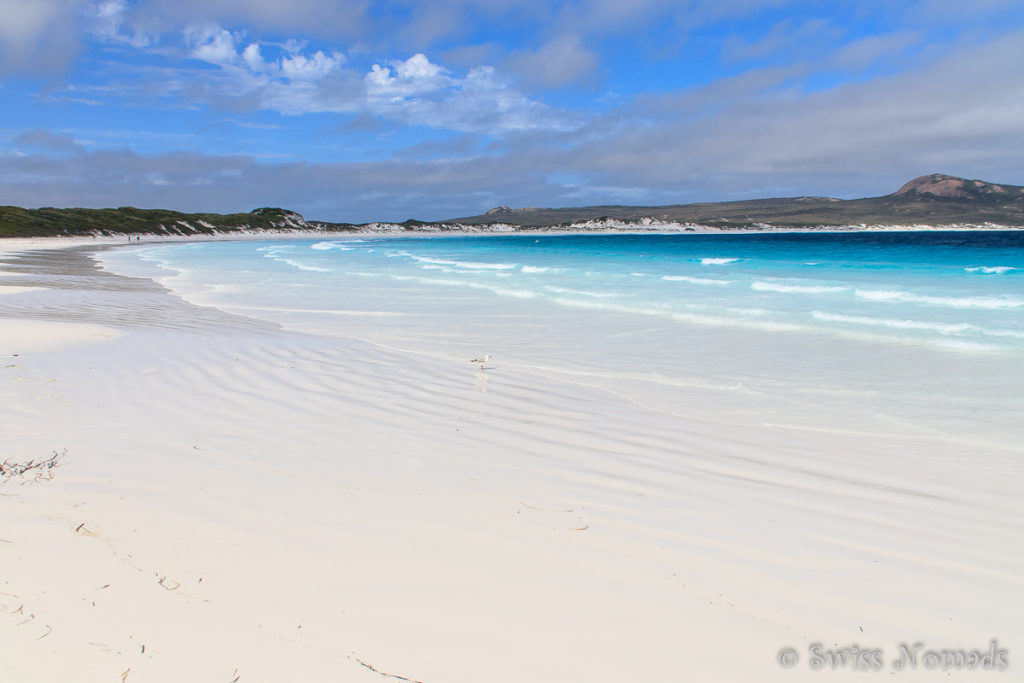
<point>351,110</point>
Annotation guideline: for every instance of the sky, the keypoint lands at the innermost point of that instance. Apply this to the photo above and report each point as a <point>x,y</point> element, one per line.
<point>355,110</point>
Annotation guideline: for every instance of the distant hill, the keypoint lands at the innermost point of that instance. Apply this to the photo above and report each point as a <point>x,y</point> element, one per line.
<point>936,199</point>
<point>50,222</point>
<point>932,199</point>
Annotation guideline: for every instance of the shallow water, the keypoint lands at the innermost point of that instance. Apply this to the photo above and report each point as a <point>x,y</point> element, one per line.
<point>897,333</point>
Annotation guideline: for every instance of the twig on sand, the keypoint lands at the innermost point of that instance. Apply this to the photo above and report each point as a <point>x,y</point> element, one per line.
<point>385,674</point>
<point>38,470</point>
<point>49,630</point>
<point>167,585</point>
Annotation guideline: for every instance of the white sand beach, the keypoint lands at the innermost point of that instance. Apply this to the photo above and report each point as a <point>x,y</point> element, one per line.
<point>238,502</point>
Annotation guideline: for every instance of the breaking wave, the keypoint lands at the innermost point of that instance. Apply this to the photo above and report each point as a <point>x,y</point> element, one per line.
<point>983,302</point>
<point>766,286</point>
<point>991,270</point>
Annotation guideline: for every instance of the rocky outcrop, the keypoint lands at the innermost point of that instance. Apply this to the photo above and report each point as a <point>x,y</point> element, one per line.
<point>951,187</point>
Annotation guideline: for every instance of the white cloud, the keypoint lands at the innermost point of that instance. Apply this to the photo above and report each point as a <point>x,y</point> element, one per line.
<point>481,102</point>
<point>107,20</point>
<point>853,138</point>
<point>49,140</point>
<point>419,68</point>
<point>291,80</point>
<point>795,128</point>
<point>318,65</point>
<point>785,36</point>
<point>564,60</point>
<point>38,36</point>
<point>108,16</point>
<point>870,49</point>
<point>324,18</point>
<point>413,76</point>
<point>379,76</point>
<point>387,190</point>
<point>213,44</point>
<point>253,58</point>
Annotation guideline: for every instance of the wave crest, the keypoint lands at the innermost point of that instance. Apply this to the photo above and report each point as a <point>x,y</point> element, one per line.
<point>694,280</point>
<point>766,286</point>
<point>991,270</point>
<point>983,302</point>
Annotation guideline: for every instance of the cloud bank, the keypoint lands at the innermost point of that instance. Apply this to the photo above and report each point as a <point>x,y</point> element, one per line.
<point>352,111</point>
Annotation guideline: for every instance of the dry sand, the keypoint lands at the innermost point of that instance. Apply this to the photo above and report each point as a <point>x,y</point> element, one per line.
<point>238,502</point>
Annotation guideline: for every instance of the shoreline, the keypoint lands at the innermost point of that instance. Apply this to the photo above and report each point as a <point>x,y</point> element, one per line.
<point>278,506</point>
<point>12,244</point>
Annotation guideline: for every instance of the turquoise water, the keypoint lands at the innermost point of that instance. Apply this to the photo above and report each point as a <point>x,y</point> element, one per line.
<point>917,332</point>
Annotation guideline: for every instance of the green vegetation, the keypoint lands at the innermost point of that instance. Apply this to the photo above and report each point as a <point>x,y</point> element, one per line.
<point>48,222</point>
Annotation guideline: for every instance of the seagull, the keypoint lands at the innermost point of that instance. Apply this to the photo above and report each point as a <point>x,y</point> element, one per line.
<point>482,361</point>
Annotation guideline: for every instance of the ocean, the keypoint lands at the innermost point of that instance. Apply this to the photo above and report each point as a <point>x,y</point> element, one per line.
<point>908,334</point>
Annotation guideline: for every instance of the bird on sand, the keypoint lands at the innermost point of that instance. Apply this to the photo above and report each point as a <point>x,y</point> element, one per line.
<point>482,361</point>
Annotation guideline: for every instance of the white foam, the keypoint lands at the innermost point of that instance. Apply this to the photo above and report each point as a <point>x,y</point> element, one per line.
<point>274,253</point>
<point>502,291</point>
<point>942,328</point>
<point>325,246</point>
<point>694,318</point>
<point>303,266</point>
<point>336,244</point>
<point>992,270</point>
<point>984,302</point>
<point>535,269</point>
<point>694,280</point>
<point>717,261</point>
<point>473,265</point>
<point>941,343</point>
<point>959,345</point>
<point>768,286</point>
<point>317,311</point>
<point>581,292</point>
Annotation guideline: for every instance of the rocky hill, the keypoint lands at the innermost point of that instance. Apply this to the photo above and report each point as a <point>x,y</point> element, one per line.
<point>932,199</point>
<point>951,187</point>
